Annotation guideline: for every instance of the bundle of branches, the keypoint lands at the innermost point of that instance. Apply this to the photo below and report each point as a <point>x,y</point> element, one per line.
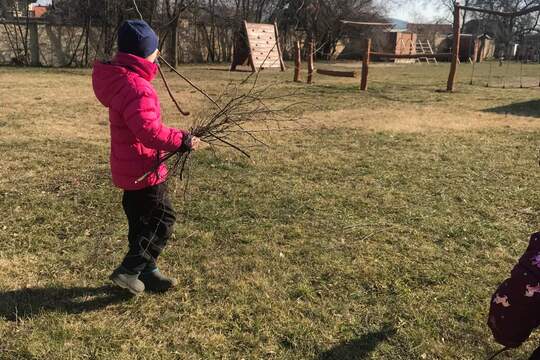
<point>242,111</point>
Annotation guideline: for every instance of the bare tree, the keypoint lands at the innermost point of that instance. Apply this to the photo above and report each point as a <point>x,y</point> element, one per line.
<point>321,19</point>
<point>210,24</point>
<point>505,30</point>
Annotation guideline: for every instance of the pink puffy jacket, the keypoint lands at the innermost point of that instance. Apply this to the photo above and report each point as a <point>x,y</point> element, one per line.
<point>138,137</point>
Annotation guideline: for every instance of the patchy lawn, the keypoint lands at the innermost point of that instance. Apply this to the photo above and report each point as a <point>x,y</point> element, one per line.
<point>378,229</point>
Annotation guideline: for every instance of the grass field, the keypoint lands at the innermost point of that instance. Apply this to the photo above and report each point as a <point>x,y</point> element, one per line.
<point>378,231</point>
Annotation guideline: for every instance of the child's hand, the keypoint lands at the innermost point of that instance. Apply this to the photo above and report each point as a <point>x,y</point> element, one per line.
<point>195,143</point>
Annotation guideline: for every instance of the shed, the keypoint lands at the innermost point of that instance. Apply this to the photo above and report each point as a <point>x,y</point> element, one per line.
<point>473,47</point>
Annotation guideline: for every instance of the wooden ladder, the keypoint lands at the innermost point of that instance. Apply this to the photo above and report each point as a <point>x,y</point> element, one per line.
<point>424,48</point>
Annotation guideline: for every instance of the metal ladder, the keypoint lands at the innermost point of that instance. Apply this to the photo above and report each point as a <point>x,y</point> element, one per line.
<point>424,48</point>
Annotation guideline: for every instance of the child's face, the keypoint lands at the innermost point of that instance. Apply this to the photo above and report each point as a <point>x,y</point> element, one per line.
<point>153,57</point>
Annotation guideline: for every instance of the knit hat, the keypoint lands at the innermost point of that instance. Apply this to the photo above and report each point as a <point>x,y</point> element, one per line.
<point>137,37</point>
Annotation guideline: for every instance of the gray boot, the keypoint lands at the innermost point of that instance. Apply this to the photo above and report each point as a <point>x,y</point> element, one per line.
<point>155,281</point>
<point>127,280</point>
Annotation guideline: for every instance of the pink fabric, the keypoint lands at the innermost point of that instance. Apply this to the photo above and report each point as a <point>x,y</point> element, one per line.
<point>138,137</point>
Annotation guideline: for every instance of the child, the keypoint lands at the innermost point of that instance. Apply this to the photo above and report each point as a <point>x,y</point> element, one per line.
<point>515,306</point>
<point>138,139</point>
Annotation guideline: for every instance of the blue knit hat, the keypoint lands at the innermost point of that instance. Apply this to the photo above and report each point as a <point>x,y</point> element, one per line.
<point>137,37</point>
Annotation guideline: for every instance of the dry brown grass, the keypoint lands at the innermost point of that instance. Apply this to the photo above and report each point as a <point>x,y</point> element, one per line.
<point>378,231</point>
<point>417,119</point>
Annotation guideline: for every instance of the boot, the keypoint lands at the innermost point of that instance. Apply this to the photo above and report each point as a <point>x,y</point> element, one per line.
<point>127,280</point>
<point>155,281</point>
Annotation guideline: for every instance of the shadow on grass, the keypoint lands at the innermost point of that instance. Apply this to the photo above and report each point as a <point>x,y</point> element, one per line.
<point>27,303</point>
<point>528,108</point>
<point>360,348</point>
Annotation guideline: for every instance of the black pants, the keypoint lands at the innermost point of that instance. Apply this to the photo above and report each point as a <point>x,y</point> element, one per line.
<point>151,219</point>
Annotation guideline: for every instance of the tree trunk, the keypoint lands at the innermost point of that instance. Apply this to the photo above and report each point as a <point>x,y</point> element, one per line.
<point>34,45</point>
<point>173,44</point>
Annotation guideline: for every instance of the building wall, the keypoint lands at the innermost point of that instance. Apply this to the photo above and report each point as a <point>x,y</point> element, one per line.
<point>401,43</point>
<point>56,44</point>
<point>39,11</point>
<point>434,33</point>
<point>486,47</point>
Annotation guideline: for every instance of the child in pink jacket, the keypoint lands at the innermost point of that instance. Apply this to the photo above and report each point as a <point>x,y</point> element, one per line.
<point>138,140</point>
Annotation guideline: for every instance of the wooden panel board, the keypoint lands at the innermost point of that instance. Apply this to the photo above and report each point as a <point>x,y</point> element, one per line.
<point>405,45</point>
<point>264,48</point>
<point>257,47</point>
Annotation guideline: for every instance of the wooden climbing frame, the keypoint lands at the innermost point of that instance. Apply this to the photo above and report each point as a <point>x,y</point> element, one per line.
<point>258,46</point>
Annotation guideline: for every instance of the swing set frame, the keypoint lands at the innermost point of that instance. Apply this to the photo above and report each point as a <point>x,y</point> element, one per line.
<point>450,87</point>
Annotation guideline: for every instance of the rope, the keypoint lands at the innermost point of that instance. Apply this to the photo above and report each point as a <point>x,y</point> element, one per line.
<point>490,72</point>
<point>506,74</point>
<point>521,75</point>
<point>185,113</point>
<point>472,72</point>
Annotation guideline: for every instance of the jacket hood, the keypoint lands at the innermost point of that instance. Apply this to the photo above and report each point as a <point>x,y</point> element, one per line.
<point>108,78</point>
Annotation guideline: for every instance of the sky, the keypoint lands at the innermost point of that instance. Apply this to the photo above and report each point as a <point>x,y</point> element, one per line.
<point>414,10</point>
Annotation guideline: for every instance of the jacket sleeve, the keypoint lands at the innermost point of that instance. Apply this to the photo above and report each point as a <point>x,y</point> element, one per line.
<point>142,118</point>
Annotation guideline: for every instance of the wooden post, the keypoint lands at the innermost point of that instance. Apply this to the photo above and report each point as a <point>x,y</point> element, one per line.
<point>34,44</point>
<point>297,61</point>
<point>365,65</point>
<point>455,49</point>
<point>311,50</point>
